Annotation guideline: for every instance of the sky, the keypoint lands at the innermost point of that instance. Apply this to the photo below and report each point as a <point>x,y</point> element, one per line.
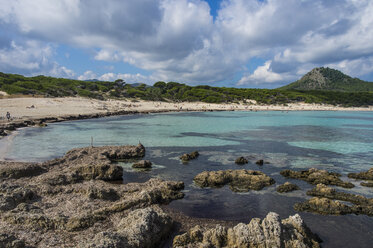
<point>233,43</point>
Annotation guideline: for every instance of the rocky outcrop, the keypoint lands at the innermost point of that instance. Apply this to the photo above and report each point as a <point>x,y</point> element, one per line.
<point>142,228</point>
<point>269,232</point>
<point>366,175</point>
<point>315,176</point>
<point>241,160</point>
<point>238,180</point>
<point>18,169</point>
<point>142,164</point>
<point>287,187</point>
<point>324,202</point>
<point>189,156</point>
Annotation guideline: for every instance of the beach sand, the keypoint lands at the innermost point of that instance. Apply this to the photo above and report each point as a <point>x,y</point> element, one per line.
<point>28,108</point>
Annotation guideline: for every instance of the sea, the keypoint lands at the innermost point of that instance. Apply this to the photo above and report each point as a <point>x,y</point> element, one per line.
<point>335,141</point>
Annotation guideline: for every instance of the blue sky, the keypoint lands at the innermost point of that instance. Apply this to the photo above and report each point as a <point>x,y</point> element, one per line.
<point>238,43</point>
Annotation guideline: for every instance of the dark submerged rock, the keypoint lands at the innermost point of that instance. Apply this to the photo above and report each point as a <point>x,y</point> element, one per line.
<point>241,160</point>
<point>366,175</point>
<point>367,184</point>
<point>315,176</point>
<point>287,187</point>
<point>143,164</point>
<point>260,162</point>
<point>238,180</point>
<point>269,232</point>
<point>189,156</point>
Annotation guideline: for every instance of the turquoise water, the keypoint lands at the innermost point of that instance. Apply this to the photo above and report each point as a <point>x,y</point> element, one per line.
<point>336,141</point>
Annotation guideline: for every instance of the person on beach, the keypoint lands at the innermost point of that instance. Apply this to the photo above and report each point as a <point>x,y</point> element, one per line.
<point>8,115</point>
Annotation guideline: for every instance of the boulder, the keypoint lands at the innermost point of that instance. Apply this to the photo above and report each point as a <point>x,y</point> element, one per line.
<point>189,156</point>
<point>287,187</point>
<point>315,176</point>
<point>260,162</point>
<point>238,180</point>
<point>323,206</point>
<point>143,164</point>
<point>241,160</point>
<point>269,232</point>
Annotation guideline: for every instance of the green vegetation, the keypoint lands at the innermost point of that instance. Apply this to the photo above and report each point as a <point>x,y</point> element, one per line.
<point>329,79</point>
<point>172,91</point>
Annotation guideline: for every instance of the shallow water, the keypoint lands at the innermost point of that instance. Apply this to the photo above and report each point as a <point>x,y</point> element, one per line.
<point>336,141</point>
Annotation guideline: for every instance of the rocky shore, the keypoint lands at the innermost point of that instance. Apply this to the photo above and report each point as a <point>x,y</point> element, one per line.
<point>80,200</point>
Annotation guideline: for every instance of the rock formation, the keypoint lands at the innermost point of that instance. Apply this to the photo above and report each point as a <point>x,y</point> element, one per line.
<point>189,156</point>
<point>238,180</point>
<point>142,164</point>
<point>324,202</point>
<point>287,187</point>
<point>269,232</point>
<point>241,160</point>
<point>315,176</point>
<point>366,175</point>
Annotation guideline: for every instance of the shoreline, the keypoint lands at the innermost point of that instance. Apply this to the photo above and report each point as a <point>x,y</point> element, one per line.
<point>28,112</point>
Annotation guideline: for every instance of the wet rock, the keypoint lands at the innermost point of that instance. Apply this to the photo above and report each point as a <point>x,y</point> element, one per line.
<point>143,164</point>
<point>10,241</point>
<point>323,206</point>
<point>287,187</point>
<point>145,227</point>
<point>322,190</point>
<point>12,195</point>
<point>260,162</point>
<point>238,180</point>
<point>189,156</point>
<point>269,232</point>
<point>241,160</point>
<point>315,176</point>
<point>367,184</point>
<point>367,175</point>
<point>18,169</point>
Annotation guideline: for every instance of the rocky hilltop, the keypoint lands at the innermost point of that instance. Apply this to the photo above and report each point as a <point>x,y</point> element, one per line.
<point>329,79</point>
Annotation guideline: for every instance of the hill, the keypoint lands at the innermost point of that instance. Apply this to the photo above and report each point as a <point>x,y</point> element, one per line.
<point>329,79</point>
<point>14,84</point>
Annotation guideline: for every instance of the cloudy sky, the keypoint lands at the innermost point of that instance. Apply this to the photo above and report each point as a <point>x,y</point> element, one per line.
<point>240,43</point>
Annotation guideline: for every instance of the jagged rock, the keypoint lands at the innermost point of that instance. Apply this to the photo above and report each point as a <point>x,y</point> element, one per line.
<point>189,156</point>
<point>367,175</point>
<point>287,187</point>
<point>367,184</point>
<point>323,206</point>
<point>142,164</point>
<point>12,195</point>
<point>241,160</point>
<point>238,180</point>
<point>260,162</point>
<point>10,241</point>
<point>106,172</point>
<point>315,176</point>
<point>270,232</point>
<point>18,169</point>
<point>145,227</point>
<point>35,221</point>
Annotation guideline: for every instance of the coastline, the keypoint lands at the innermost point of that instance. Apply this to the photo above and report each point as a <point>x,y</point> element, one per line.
<point>27,112</point>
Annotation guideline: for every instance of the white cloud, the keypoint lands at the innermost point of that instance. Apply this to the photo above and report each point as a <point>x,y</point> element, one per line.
<point>31,58</point>
<point>180,41</point>
<point>127,77</point>
<point>264,74</point>
<point>88,75</point>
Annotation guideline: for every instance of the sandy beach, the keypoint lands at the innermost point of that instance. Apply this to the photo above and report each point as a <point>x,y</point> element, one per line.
<point>30,108</point>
